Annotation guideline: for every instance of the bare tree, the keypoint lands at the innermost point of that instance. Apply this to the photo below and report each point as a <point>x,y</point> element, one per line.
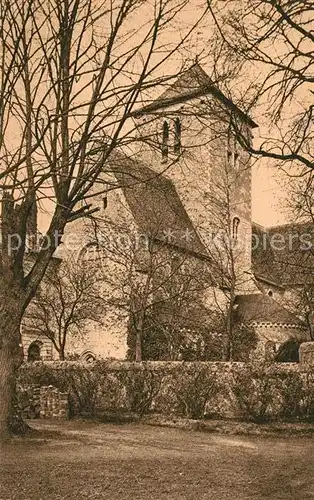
<point>293,261</point>
<point>160,275</point>
<point>68,300</point>
<point>267,48</point>
<point>149,281</point>
<point>177,304</point>
<point>302,304</point>
<point>163,309</point>
<point>71,74</point>
<point>229,244</point>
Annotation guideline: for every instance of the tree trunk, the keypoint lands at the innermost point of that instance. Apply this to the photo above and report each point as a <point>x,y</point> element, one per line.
<point>228,354</point>
<point>16,423</point>
<point>138,345</point>
<point>139,337</point>
<point>7,382</point>
<point>11,357</point>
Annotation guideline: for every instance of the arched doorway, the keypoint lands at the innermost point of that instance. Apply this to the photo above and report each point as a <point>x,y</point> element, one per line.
<point>288,352</point>
<point>33,352</point>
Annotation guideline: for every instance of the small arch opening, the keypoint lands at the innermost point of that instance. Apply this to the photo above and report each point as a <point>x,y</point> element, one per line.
<point>165,140</point>
<point>235,227</point>
<point>34,351</point>
<point>105,202</point>
<point>229,159</point>
<point>91,252</point>
<point>177,136</point>
<point>236,161</point>
<point>288,352</point>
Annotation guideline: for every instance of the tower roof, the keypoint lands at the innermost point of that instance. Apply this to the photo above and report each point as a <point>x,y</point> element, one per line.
<point>194,82</point>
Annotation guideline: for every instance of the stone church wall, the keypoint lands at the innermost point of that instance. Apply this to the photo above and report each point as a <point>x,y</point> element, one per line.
<point>47,352</point>
<point>201,177</point>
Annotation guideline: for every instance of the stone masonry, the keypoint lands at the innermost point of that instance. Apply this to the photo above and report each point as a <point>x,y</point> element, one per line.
<point>44,402</point>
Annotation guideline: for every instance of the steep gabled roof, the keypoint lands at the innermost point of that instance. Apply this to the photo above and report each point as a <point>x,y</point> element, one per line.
<point>156,205</point>
<point>193,83</point>
<point>284,254</point>
<point>193,80</point>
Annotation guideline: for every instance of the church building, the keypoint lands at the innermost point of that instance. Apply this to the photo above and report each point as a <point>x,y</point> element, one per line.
<point>174,242</point>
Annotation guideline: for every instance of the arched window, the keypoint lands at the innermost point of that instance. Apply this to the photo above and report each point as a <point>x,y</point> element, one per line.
<point>33,352</point>
<point>177,136</point>
<point>235,227</point>
<point>229,149</point>
<point>105,202</point>
<point>88,357</point>
<point>165,140</point>
<point>229,159</point>
<point>236,161</point>
<point>90,253</point>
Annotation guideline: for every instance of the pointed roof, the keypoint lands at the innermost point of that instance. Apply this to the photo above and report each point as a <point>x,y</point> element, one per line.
<point>194,82</point>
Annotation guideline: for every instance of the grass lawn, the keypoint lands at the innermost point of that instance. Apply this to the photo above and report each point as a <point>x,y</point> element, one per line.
<point>82,460</point>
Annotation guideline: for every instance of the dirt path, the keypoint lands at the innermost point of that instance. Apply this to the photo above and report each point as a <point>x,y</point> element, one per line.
<point>80,460</point>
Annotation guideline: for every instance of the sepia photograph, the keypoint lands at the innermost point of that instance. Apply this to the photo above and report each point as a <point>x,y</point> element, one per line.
<point>156,249</point>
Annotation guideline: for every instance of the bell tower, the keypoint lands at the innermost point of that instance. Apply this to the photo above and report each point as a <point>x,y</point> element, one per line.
<point>188,135</point>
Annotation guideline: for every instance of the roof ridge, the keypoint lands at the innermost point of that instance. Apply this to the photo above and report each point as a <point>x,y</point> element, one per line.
<point>205,86</point>
<point>259,226</point>
<point>289,224</point>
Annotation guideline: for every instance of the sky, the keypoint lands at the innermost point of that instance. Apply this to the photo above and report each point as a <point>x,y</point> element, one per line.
<point>268,196</point>
<point>267,191</point>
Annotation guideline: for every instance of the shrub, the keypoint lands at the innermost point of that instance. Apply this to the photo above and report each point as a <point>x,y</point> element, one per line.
<point>81,381</point>
<point>290,389</point>
<point>244,342</point>
<point>266,392</point>
<point>193,387</point>
<point>255,393</point>
<point>189,389</point>
<point>142,387</point>
<point>111,395</point>
<point>307,397</point>
<point>40,373</point>
<point>83,386</point>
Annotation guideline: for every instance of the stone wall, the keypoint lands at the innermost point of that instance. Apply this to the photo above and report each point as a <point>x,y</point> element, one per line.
<point>29,401</point>
<point>43,402</point>
<point>53,403</point>
<point>306,353</point>
<point>117,387</point>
